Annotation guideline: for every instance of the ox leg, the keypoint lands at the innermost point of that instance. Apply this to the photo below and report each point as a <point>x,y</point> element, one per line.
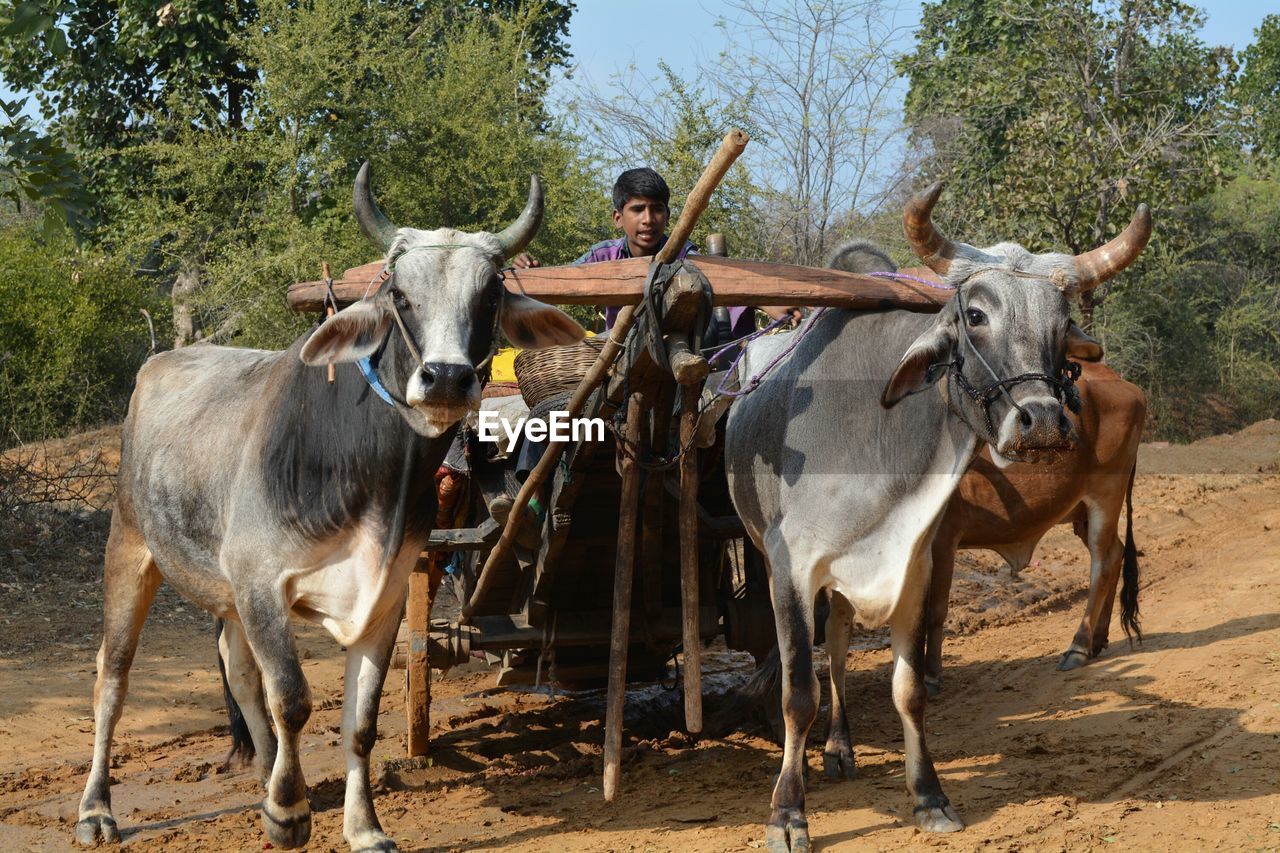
<point>932,809</point>
<point>129,582</point>
<point>788,830</point>
<point>286,814</point>
<point>245,682</point>
<point>1106,555</point>
<point>944,564</point>
<point>837,755</point>
<point>367,664</point>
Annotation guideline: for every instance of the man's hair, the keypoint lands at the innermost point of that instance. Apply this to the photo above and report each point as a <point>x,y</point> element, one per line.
<point>640,182</point>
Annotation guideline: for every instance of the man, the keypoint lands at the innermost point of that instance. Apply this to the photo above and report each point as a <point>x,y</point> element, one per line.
<point>640,210</point>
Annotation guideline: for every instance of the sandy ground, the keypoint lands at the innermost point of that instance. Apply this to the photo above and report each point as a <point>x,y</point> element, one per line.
<point>1174,743</point>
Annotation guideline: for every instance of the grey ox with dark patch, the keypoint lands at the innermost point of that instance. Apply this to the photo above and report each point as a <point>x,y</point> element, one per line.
<point>841,477</point>
<point>258,490</point>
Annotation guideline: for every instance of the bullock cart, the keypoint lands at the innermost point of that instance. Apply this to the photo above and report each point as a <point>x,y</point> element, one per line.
<point>623,564</point>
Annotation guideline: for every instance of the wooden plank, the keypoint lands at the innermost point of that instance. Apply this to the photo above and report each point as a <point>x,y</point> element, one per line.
<point>418,684</point>
<point>464,538</point>
<point>734,281</point>
<point>689,568</point>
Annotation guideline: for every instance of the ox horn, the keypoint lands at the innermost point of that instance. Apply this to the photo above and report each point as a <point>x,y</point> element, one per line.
<point>373,222</point>
<point>1096,266</point>
<point>518,234</point>
<point>925,239</point>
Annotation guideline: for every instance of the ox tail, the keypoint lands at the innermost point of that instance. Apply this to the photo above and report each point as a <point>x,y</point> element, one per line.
<point>1129,572</point>
<point>758,701</point>
<point>241,741</point>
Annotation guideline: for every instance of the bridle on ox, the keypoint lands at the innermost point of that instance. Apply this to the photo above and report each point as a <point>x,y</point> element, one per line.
<point>1064,385</point>
<point>369,366</point>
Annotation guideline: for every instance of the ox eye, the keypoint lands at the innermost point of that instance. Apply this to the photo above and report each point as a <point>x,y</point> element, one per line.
<point>397,295</point>
<point>975,317</point>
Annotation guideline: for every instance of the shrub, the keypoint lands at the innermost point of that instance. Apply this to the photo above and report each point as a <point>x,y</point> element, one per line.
<point>72,334</point>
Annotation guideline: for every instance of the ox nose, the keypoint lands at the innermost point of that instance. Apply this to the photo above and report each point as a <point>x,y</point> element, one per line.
<point>447,382</point>
<point>1037,424</point>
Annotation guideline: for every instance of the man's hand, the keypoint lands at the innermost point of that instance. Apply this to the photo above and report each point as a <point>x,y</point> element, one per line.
<point>777,312</point>
<point>523,261</point>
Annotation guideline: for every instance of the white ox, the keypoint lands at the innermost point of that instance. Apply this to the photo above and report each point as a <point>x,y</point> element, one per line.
<point>841,470</point>
<point>258,490</point>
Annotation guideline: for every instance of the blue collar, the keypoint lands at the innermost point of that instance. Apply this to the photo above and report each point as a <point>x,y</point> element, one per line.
<point>370,376</point>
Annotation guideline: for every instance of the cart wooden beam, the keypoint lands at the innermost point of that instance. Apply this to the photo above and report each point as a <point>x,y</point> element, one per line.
<point>733,282</point>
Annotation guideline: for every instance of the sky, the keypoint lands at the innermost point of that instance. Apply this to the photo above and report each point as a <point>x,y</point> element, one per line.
<point>612,38</point>
<point>608,36</point>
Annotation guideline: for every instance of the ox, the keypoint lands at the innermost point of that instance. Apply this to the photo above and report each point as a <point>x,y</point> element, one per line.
<point>258,490</point>
<point>1008,509</point>
<point>852,509</point>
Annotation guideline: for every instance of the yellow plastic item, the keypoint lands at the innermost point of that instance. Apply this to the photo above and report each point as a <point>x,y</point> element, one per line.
<point>504,363</point>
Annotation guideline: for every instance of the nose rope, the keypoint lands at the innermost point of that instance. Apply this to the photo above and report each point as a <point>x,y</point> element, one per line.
<point>1064,387</point>
<point>964,335</point>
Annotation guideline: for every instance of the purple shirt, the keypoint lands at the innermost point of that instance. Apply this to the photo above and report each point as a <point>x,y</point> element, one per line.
<point>742,317</point>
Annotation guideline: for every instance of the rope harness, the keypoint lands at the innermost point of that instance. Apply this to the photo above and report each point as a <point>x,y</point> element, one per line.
<point>1063,385</point>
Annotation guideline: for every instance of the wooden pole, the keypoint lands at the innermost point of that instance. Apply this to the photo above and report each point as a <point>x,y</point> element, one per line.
<point>624,567</point>
<point>689,395</point>
<point>734,281</point>
<point>417,666</point>
<point>730,147</point>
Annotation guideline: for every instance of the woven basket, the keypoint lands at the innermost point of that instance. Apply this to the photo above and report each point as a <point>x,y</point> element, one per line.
<point>544,373</point>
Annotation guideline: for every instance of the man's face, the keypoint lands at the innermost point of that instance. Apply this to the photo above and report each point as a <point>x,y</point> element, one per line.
<point>644,221</point>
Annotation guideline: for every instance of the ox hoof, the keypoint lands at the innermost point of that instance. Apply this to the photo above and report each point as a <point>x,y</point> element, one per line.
<point>933,685</point>
<point>939,817</point>
<point>1072,659</point>
<point>791,837</point>
<point>91,831</point>
<point>839,764</point>
<point>289,826</point>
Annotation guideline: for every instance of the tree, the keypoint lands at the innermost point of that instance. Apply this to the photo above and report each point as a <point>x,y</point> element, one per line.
<point>674,126</point>
<point>75,330</point>
<point>817,77</point>
<point>1051,119</point>
<point>115,75</point>
<point>37,169</point>
<point>1258,89</point>
<point>231,215</point>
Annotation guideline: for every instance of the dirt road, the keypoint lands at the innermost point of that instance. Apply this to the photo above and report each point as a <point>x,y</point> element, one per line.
<point>1171,744</point>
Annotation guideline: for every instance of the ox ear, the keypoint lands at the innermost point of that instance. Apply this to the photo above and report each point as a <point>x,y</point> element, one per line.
<point>353,333</point>
<point>915,372</point>
<point>1082,346</point>
<point>530,324</point>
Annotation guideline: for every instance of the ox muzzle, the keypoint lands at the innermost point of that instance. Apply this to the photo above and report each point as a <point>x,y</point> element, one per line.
<point>1036,430</point>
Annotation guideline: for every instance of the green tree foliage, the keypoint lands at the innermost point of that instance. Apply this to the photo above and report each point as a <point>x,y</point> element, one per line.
<point>1051,119</point>
<point>1258,90</point>
<point>72,335</point>
<point>115,75</point>
<point>107,70</point>
<point>447,107</point>
<point>37,169</point>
